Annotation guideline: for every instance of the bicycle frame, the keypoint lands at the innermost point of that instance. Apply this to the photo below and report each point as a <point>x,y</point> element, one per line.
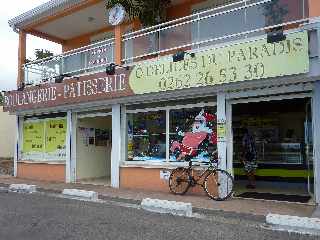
<point>203,174</point>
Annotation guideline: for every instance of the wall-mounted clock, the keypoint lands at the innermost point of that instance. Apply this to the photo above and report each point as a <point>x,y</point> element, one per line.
<point>117,14</point>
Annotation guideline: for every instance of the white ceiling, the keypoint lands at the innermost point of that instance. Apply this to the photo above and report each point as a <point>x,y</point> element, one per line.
<point>77,23</point>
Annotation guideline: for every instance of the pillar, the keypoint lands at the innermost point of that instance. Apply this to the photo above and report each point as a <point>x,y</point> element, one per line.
<point>73,158</point>
<point>118,44</point>
<point>314,8</point>
<point>229,137</point>
<point>21,57</point>
<point>68,147</point>
<point>221,130</point>
<point>316,138</point>
<point>17,145</point>
<point>116,145</point>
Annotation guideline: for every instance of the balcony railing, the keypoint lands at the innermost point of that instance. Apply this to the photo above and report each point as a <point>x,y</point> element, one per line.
<point>235,21</point>
<point>90,58</point>
<point>242,19</point>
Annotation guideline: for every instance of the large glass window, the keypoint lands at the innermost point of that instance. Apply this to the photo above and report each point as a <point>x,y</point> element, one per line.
<point>171,133</point>
<point>192,132</point>
<point>147,136</point>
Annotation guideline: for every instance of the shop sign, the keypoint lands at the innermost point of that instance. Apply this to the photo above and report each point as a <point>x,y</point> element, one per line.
<point>99,86</point>
<point>233,63</point>
<point>33,137</point>
<point>221,131</point>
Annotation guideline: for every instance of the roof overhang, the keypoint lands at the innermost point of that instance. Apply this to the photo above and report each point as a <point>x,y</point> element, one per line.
<point>60,20</point>
<point>47,9</point>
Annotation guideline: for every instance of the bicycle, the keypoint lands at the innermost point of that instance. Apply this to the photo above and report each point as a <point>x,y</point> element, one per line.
<point>217,183</point>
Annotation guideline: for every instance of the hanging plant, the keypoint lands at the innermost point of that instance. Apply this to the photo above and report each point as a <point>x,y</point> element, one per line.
<point>149,12</point>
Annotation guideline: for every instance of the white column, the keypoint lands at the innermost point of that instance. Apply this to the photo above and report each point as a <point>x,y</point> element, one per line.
<point>68,146</point>
<point>167,135</point>
<point>116,145</point>
<point>229,138</point>
<point>221,130</point>
<point>316,139</point>
<point>124,132</point>
<point>73,151</point>
<point>18,134</point>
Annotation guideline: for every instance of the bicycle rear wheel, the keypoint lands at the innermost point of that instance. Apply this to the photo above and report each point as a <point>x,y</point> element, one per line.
<point>179,181</point>
<point>218,185</point>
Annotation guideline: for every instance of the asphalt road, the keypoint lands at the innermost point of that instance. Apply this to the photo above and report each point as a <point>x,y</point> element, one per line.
<point>36,216</point>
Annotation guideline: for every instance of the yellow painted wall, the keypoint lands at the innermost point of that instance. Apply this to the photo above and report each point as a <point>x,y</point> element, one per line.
<point>93,161</point>
<point>7,134</point>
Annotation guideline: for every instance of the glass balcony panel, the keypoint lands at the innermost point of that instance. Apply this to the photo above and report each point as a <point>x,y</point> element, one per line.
<point>212,26</point>
<point>74,63</point>
<point>175,36</point>
<point>97,57</point>
<point>87,59</point>
<point>42,71</point>
<point>145,43</point>
<point>274,13</point>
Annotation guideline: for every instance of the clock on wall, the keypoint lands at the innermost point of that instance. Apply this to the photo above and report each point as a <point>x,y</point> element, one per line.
<point>117,14</point>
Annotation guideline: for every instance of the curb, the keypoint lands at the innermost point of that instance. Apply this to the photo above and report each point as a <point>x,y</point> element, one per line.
<point>91,195</point>
<point>25,188</point>
<point>165,206</point>
<point>293,221</point>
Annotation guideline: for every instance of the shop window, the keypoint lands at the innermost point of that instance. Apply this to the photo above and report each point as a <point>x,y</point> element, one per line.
<point>147,136</point>
<point>192,131</point>
<point>171,133</point>
<point>44,139</point>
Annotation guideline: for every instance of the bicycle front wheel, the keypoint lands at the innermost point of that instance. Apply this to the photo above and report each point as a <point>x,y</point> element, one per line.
<point>179,181</point>
<point>218,185</point>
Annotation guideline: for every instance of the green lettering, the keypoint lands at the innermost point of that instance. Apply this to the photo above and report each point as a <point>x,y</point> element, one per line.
<point>297,44</point>
<point>253,53</point>
<point>242,55</point>
<point>139,72</point>
<point>231,55</point>
<point>265,50</point>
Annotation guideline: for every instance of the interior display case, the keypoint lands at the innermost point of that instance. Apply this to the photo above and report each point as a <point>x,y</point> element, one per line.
<point>277,141</point>
<point>274,153</point>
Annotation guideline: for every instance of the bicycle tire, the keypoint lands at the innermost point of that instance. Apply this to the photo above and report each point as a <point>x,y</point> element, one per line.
<point>218,190</point>
<point>179,177</point>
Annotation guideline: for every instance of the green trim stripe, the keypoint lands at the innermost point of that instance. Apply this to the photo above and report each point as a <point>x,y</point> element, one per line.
<point>276,172</point>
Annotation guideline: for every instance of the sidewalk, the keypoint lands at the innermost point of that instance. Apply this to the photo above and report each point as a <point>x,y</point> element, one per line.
<point>237,205</point>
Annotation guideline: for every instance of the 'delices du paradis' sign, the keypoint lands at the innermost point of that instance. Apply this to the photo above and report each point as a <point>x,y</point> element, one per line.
<point>232,63</point>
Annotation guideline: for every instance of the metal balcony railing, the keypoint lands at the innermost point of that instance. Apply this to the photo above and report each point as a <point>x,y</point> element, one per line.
<point>238,20</point>
<point>90,58</point>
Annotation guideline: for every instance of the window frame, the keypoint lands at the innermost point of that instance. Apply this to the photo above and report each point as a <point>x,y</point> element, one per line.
<point>167,110</point>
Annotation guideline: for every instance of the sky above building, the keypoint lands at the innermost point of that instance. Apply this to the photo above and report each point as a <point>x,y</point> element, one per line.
<point>9,42</point>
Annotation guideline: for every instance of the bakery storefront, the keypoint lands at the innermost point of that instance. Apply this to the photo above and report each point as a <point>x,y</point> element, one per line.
<point>141,122</point>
